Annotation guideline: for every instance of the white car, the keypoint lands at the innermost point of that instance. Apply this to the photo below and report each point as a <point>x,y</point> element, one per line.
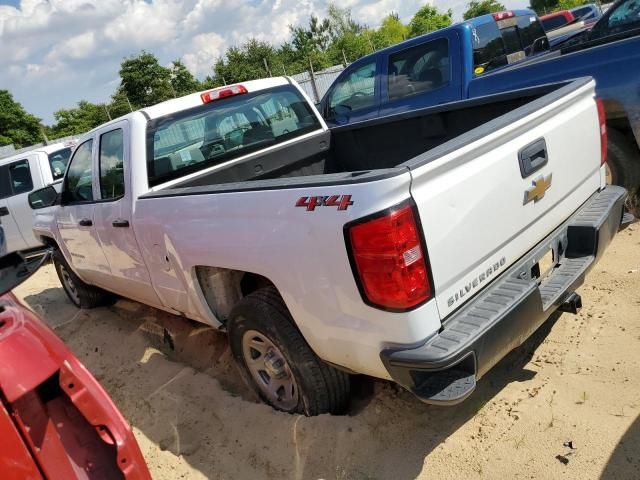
<point>20,174</point>
<point>419,247</point>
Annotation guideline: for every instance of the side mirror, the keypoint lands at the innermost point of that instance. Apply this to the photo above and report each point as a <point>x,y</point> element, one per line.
<point>45,197</point>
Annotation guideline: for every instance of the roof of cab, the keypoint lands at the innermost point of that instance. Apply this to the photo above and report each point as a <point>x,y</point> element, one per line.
<point>54,147</point>
<point>194,99</point>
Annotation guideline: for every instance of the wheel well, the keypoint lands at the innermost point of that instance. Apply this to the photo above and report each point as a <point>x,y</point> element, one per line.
<point>223,288</point>
<point>49,242</point>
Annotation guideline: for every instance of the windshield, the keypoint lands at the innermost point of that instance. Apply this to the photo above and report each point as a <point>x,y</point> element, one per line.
<point>58,162</point>
<point>224,130</point>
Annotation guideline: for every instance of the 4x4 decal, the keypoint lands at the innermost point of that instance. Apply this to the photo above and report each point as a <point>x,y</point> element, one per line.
<point>341,201</point>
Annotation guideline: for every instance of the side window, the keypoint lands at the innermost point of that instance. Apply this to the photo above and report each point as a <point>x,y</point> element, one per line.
<point>419,69</point>
<point>78,186</point>
<point>58,162</point>
<point>20,177</point>
<point>111,164</point>
<point>356,91</point>
<point>626,14</point>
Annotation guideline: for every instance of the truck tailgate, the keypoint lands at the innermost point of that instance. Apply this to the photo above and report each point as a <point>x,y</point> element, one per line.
<point>486,203</point>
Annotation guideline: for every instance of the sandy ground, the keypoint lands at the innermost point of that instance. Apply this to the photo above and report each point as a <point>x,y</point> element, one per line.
<point>564,405</point>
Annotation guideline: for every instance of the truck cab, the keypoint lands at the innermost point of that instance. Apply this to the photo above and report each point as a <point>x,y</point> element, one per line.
<point>20,174</point>
<point>434,68</point>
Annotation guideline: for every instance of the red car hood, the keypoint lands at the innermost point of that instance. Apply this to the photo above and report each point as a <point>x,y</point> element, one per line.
<point>66,420</point>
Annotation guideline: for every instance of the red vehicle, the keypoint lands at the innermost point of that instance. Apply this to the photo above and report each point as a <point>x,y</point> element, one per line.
<point>56,421</point>
<point>555,20</point>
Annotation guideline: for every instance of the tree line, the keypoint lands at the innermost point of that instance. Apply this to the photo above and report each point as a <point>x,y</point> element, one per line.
<point>323,42</point>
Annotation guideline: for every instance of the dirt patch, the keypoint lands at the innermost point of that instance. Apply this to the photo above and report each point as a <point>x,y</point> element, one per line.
<point>564,405</point>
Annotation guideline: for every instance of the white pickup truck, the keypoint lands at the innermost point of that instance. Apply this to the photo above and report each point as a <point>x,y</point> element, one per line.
<point>20,174</point>
<point>420,247</point>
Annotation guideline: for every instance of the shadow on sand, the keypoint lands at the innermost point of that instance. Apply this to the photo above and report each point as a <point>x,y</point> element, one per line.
<point>205,415</point>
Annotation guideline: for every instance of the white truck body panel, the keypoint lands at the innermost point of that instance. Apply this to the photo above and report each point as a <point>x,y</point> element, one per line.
<point>471,201</point>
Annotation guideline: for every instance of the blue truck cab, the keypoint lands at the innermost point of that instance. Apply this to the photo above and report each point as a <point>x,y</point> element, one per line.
<point>434,68</point>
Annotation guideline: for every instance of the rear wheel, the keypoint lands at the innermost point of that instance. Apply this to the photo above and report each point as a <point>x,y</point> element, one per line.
<point>623,161</point>
<point>81,294</point>
<point>276,361</point>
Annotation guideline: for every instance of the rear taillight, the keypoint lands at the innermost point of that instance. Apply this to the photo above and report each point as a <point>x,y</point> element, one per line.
<point>602,119</point>
<point>503,15</point>
<point>388,260</point>
<point>224,92</point>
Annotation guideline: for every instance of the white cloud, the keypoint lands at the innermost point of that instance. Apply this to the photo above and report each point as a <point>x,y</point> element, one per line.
<point>78,47</point>
<point>204,51</point>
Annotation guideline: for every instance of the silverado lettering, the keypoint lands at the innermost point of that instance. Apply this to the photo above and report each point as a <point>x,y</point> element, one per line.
<point>473,284</point>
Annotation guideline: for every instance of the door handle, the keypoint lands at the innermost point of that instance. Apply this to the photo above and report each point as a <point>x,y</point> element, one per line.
<point>533,157</point>
<point>120,223</point>
<point>85,222</point>
<point>4,211</point>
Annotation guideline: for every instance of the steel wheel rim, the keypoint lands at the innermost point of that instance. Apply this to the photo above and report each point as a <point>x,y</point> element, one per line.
<point>69,286</point>
<point>270,370</point>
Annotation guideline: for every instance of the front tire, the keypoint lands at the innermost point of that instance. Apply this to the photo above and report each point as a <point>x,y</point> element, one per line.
<point>81,294</point>
<point>276,361</point>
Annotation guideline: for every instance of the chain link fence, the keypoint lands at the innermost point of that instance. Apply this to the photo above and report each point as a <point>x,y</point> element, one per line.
<point>316,84</point>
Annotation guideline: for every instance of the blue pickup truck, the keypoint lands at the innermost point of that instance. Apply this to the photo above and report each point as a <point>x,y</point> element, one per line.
<point>492,54</point>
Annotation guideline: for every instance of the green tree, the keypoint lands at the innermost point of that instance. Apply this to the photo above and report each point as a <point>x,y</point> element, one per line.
<point>391,31</point>
<point>341,23</point>
<point>542,7</point>
<point>182,80</point>
<point>569,4</point>
<point>246,63</point>
<point>78,120</point>
<point>350,46</point>
<point>119,104</point>
<point>145,81</point>
<point>17,126</point>
<point>316,36</point>
<point>428,19</point>
<point>482,7</point>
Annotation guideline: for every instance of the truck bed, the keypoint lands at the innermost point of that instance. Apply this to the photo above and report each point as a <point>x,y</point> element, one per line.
<point>373,149</point>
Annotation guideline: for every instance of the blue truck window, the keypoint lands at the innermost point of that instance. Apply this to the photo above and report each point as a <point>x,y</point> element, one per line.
<point>356,91</point>
<point>532,35</point>
<point>554,22</point>
<point>419,69</point>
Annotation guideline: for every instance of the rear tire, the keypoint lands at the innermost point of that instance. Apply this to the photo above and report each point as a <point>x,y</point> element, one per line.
<point>623,160</point>
<point>81,294</point>
<point>262,334</point>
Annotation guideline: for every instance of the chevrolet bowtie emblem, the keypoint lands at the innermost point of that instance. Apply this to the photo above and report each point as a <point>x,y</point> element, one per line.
<point>538,189</point>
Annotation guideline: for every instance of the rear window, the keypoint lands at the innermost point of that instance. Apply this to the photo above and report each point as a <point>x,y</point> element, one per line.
<point>496,44</point>
<point>554,23</point>
<point>224,130</point>
<point>583,12</point>
<point>58,162</point>
<point>488,48</point>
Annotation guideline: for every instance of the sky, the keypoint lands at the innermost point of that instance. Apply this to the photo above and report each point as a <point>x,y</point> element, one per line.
<point>55,53</point>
